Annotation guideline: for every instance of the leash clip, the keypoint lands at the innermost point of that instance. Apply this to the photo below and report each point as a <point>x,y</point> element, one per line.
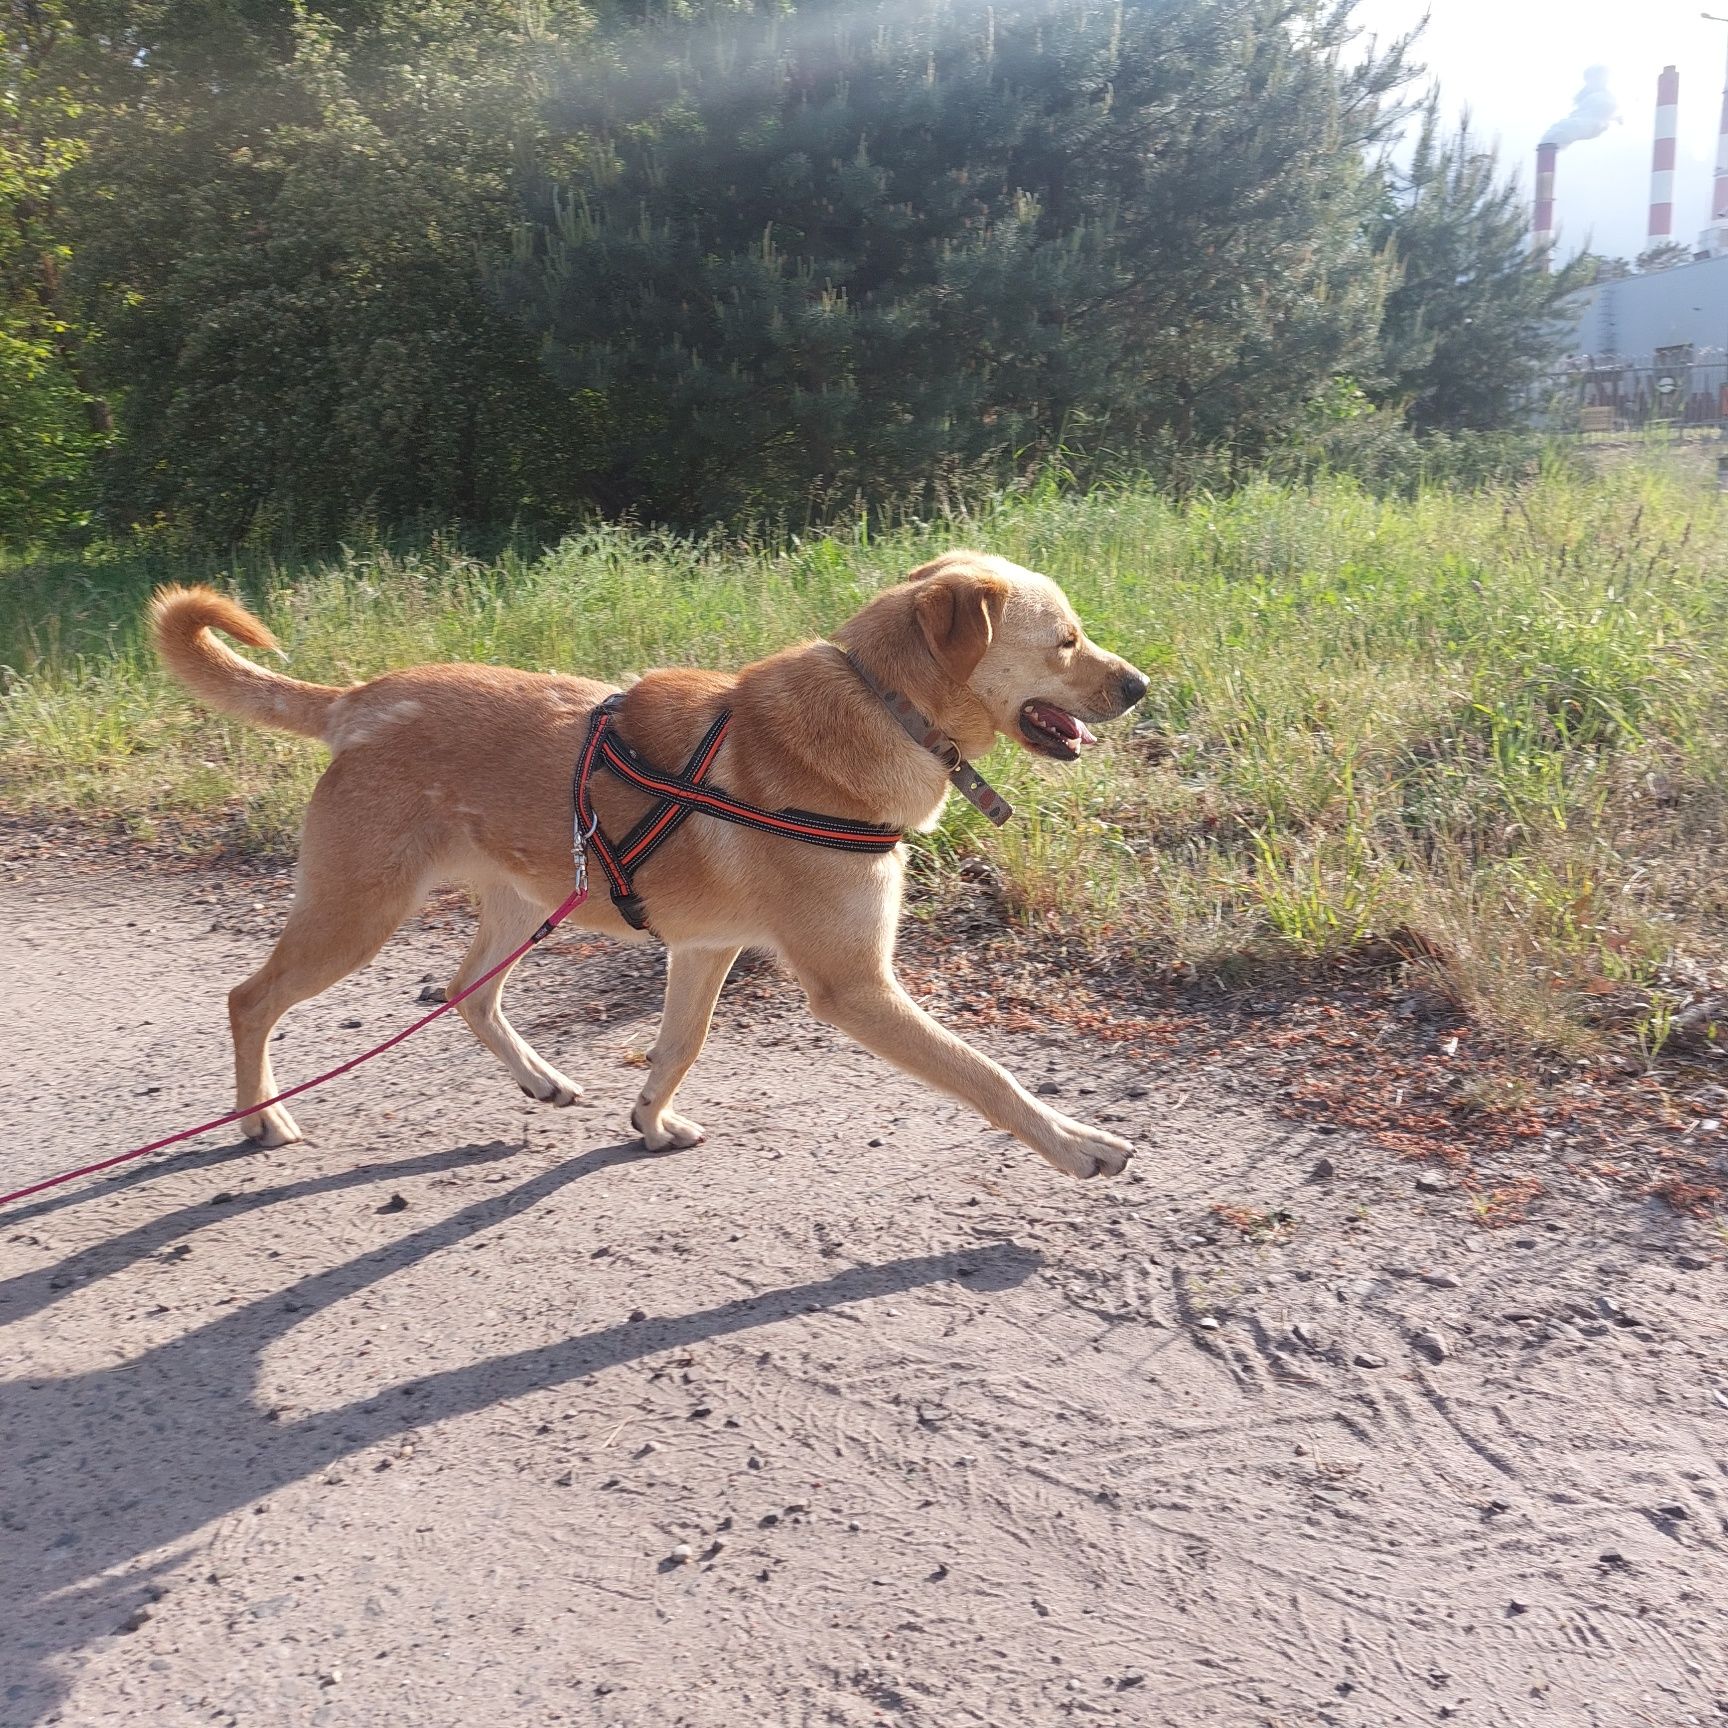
<point>579,849</point>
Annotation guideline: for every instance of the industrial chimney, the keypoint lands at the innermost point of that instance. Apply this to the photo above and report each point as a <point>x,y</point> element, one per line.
<point>1542,228</point>
<point>1592,113</point>
<point>1716,236</point>
<point>1662,163</point>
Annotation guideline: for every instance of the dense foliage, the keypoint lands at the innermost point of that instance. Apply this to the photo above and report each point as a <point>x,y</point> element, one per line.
<point>268,269</point>
<point>872,247</point>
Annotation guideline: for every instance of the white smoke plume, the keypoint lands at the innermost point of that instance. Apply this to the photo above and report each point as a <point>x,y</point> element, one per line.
<point>1592,113</point>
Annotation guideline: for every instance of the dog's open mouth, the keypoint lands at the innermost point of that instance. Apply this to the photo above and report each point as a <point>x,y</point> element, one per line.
<point>1053,731</point>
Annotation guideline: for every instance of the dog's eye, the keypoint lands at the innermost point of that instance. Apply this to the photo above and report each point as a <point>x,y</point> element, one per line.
<point>1070,641</point>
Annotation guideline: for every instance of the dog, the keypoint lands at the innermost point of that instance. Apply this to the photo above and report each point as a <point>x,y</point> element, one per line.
<point>462,773</point>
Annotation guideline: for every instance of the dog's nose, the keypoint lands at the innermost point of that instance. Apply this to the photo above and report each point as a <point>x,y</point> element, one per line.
<point>1134,686</point>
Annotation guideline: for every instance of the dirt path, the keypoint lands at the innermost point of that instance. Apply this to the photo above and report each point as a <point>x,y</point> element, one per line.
<point>407,1425</point>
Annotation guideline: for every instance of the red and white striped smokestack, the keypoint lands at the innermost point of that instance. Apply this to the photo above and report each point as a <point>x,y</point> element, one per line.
<point>1593,112</point>
<point>1719,199</point>
<point>1662,163</point>
<point>1542,228</point>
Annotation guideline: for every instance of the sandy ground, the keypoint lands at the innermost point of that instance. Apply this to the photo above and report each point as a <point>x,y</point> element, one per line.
<point>466,1412</point>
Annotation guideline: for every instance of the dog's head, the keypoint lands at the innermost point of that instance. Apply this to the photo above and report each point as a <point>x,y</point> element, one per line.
<point>986,647</point>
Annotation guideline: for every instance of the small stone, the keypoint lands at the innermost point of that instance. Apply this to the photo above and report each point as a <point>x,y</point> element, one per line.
<point>225,1198</point>
<point>1207,1323</point>
<point>682,1555</point>
<point>637,1314</point>
<point>1687,1262</point>
<point>431,993</point>
<point>1672,1511</point>
<point>1431,1345</point>
<point>1428,1183</point>
<point>394,1204</point>
<point>1516,1607</point>
<point>1363,1360</point>
<point>1048,1088</point>
<point>352,1025</point>
<point>1135,1092</point>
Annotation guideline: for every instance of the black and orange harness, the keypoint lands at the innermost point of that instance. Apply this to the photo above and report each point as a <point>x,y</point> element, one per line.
<point>678,796</point>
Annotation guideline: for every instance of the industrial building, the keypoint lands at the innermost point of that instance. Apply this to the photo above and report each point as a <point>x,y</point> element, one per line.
<point>1649,348</point>
<point>1636,317</point>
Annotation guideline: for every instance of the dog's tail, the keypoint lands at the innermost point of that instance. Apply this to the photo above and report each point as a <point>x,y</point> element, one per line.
<point>181,620</point>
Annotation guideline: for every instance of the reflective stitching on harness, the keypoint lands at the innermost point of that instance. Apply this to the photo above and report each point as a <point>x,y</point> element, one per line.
<point>681,795</point>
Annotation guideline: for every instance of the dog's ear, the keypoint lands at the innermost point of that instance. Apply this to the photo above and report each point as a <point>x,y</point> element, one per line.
<point>958,612</point>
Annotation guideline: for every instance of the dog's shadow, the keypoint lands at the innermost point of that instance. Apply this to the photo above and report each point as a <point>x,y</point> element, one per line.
<point>101,1467</point>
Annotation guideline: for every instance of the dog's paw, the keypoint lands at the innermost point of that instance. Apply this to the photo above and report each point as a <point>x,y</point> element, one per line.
<point>271,1128</point>
<point>666,1132</point>
<point>548,1086</point>
<point>1081,1151</point>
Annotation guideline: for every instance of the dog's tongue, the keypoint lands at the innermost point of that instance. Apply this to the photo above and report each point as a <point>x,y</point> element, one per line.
<point>1061,722</point>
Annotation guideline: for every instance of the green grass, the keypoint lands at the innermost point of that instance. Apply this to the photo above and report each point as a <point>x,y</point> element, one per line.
<point>1491,724</point>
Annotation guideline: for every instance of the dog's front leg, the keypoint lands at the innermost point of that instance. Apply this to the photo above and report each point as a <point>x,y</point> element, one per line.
<point>693,980</point>
<point>859,993</point>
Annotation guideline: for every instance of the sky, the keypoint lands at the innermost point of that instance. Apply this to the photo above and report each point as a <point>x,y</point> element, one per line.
<point>1518,65</point>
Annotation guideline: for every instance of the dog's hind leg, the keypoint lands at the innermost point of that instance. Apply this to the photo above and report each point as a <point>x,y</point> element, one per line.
<point>693,980</point>
<point>338,922</point>
<point>506,922</point>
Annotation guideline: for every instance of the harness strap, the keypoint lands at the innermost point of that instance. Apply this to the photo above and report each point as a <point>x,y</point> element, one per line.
<point>679,796</point>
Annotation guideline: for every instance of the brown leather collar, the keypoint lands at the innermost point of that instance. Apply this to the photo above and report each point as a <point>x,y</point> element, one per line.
<point>923,731</point>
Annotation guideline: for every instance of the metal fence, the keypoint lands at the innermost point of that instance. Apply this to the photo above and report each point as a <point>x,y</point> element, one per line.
<point>1612,397</point>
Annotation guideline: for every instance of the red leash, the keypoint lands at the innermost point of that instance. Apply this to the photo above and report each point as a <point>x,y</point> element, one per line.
<point>539,935</point>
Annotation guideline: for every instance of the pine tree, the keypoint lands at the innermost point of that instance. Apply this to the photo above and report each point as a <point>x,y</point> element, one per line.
<point>860,252</point>
<point>1474,317</point>
<point>1664,255</point>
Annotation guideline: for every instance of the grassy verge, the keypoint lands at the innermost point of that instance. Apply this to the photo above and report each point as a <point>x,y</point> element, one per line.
<point>1485,730</point>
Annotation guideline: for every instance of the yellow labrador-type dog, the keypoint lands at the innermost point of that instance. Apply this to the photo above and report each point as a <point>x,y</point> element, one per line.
<point>463,774</point>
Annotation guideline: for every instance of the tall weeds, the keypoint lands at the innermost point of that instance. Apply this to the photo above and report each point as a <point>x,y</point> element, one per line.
<point>1495,718</point>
